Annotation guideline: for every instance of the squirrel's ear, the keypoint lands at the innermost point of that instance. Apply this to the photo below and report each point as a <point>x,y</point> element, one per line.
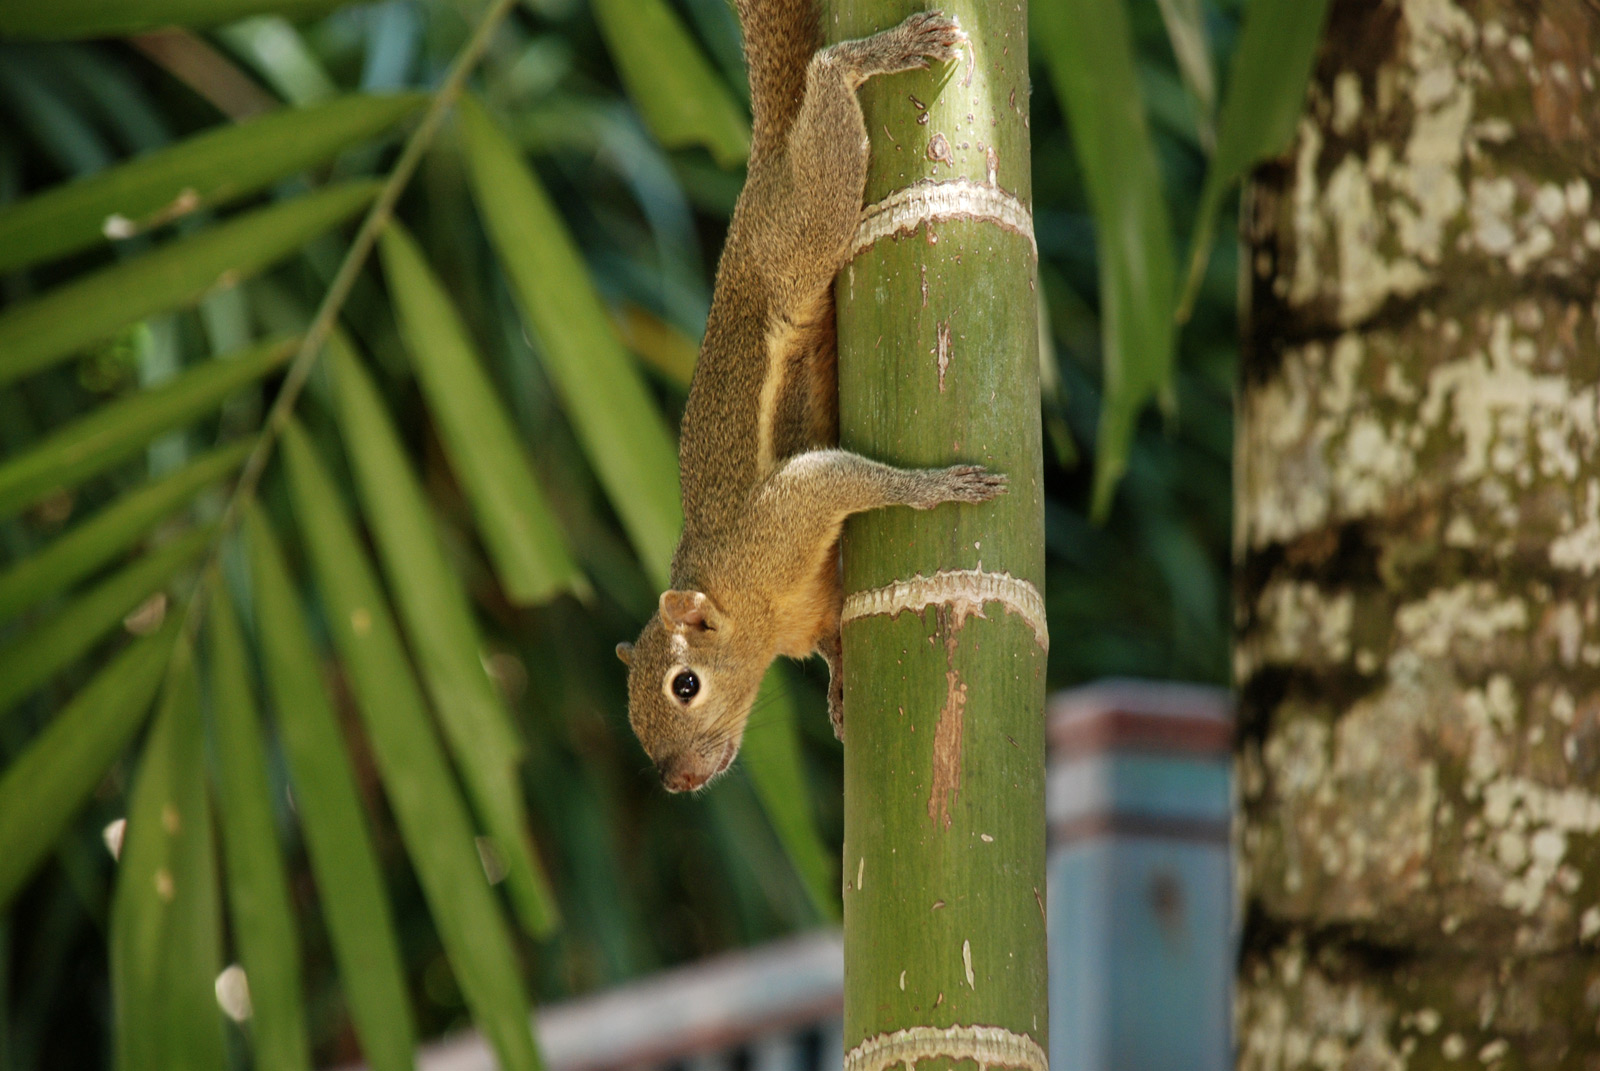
<point>625,652</point>
<point>688,609</point>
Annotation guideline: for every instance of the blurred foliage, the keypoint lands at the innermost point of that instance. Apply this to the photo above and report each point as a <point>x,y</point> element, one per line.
<point>395,650</point>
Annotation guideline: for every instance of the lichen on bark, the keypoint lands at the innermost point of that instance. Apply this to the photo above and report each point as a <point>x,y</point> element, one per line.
<point>1418,534</point>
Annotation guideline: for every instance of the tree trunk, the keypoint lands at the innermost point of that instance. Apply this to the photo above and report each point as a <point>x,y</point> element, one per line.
<point>944,638</point>
<point>1418,519</point>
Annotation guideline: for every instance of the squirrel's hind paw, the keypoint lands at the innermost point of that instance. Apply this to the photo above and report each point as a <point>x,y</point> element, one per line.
<point>958,483</point>
<point>973,483</point>
<point>924,37</point>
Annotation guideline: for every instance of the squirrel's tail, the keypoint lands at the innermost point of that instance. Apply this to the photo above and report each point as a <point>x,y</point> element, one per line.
<point>779,38</point>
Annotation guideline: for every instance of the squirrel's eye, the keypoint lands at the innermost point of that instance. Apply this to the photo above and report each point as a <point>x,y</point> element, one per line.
<point>686,686</point>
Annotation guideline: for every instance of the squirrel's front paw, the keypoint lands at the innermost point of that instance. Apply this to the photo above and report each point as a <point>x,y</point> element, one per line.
<point>933,35</point>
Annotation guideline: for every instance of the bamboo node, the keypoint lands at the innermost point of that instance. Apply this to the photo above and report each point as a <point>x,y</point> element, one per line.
<point>929,202</point>
<point>990,1046</point>
<point>965,591</point>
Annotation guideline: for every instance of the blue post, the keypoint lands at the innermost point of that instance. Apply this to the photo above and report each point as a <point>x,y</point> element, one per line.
<point>1140,910</point>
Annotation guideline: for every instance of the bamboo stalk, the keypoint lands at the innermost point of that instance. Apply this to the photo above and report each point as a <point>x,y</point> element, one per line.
<point>944,641</point>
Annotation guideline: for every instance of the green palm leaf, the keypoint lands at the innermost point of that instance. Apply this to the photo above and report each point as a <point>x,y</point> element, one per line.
<point>258,887</point>
<point>432,819</point>
<point>671,82</point>
<point>1090,48</point>
<point>438,621</point>
<point>214,168</point>
<point>621,430</point>
<point>771,754</point>
<point>38,333</point>
<point>45,787</point>
<point>519,530</point>
<point>1266,95</point>
<point>93,543</point>
<point>350,882</point>
<point>165,924</point>
<point>31,658</point>
<point>109,18</point>
<point>114,432</point>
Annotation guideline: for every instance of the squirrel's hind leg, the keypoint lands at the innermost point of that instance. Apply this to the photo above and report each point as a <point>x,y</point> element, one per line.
<point>921,38</point>
<point>822,171</point>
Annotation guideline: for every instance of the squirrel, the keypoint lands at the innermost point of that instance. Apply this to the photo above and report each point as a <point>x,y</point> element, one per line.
<point>766,489</point>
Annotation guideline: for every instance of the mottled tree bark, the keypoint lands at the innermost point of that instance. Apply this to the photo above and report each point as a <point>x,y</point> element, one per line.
<point>1418,532</point>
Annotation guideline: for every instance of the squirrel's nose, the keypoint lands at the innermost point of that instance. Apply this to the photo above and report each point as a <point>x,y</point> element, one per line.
<point>680,776</point>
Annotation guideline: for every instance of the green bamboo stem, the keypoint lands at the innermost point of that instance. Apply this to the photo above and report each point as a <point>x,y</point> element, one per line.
<point>944,734</point>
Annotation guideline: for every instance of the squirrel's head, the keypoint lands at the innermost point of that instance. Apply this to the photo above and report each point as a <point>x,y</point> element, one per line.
<point>690,689</point>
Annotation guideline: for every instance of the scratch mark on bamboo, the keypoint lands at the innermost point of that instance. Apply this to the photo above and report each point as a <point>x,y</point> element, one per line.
<point>947,735</point>
<point>943,351</point>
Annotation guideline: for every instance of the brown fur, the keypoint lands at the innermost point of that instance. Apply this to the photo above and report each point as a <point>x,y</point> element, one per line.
<point>765,491</point>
